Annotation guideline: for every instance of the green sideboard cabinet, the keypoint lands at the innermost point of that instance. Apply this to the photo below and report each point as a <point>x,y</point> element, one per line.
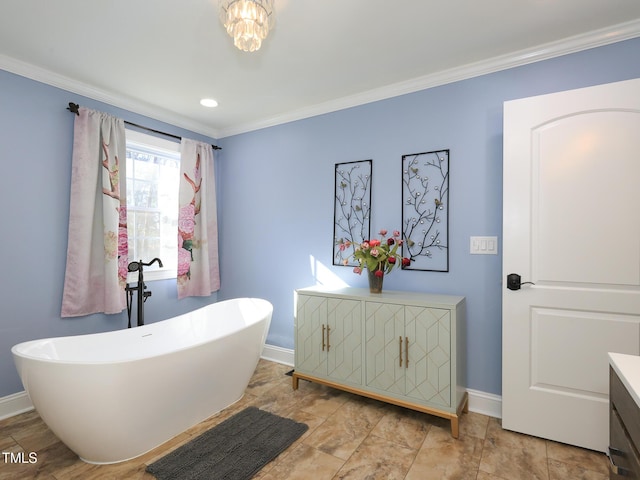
<point>403,348</point>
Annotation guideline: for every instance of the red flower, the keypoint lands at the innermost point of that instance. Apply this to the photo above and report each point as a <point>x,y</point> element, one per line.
<point>374,242</point>
<point>390,241</point>
<point>378,273</point>
<point>406,262</point>
<point>391,260</point>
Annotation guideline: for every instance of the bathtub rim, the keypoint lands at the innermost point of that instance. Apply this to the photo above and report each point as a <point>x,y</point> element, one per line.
<point>15,350</point>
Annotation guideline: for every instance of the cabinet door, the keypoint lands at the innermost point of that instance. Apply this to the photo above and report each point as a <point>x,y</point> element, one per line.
<point>384,330</point>
<point>344,353</point>
<point>428,374</point>
<point>311,315</point>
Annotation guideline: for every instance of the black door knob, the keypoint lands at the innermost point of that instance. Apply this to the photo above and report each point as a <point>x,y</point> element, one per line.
<point>513,281</point>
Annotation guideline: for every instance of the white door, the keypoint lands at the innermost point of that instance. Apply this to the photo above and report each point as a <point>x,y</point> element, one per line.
<point>571,221</point>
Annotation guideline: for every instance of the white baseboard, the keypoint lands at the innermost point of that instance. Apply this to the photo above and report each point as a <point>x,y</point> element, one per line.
<point>15,404</point>
<point>479,402</point>
<point>485,403</point>
<point>278,355</point>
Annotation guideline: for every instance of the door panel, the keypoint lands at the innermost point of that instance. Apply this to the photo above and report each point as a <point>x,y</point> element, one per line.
<point>429,368</point>
<point>580,202</point>
<point>384,327</point>
<point>344,353</point>
<point>311,314</point>
<point>571,225</point>
<point>585,364</point>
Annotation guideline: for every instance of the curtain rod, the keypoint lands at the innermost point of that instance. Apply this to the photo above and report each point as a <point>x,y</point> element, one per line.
<point>73,108</point>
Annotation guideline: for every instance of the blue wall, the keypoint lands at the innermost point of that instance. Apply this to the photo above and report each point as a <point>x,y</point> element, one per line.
<point>276,200</point>
<point>277,191</point>
<point>36,135</point>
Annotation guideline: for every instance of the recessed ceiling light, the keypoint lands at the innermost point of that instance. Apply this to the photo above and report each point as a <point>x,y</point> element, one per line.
<point>208,102</point>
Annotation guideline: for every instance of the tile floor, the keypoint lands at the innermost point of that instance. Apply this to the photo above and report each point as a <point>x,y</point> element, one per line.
<point>349,437</point>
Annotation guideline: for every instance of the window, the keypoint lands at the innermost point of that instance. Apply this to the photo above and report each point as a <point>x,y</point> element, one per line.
<point>153,175</point>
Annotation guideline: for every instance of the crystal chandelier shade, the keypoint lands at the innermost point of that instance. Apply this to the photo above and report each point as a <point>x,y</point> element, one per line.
<point>247,21</point>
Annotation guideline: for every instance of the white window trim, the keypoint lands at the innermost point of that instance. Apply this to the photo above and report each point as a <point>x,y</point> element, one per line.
<point>145,140</point>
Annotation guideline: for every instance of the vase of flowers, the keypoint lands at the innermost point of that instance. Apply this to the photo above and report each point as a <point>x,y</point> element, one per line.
<point>375,281</point>
<point>378,256</point>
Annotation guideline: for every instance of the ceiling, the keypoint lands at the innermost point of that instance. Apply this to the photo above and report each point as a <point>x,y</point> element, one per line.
<point>160,57</point>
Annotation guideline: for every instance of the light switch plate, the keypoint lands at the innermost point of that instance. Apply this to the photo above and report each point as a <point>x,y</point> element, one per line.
<point>484,245</point>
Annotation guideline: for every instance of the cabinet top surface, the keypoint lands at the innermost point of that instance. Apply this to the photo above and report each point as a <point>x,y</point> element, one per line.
<point>628,369</point>
<point>385,296</point>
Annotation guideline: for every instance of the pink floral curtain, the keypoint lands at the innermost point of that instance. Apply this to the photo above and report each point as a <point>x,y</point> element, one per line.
<point>198,272</point>
<point>96,269</point>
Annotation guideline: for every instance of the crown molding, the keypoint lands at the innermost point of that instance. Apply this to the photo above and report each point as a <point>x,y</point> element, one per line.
<point>117,100</point>
<point>597,38</point>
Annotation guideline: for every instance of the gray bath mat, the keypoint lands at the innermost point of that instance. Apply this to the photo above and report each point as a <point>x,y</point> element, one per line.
<point>236,449</point>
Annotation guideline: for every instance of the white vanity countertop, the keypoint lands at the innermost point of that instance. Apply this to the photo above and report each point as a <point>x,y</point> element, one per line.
<point>628,369</point>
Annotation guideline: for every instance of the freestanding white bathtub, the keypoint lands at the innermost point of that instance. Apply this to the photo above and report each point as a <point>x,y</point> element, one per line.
<point>113,396</point>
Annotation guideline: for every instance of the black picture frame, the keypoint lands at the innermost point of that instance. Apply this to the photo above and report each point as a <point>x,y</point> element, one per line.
<point>425,210</point>
<point>352,209</point>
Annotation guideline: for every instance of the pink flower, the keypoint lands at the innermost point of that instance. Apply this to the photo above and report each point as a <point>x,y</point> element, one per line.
<point>374,243</point>
<point>396,233</point>
<point>364,245</point>
<point>123,239</point>
<point>383,232</point>
<point>375,252</point>
<point>184,261</point>
<point>123,263</point>
<point>186,219</point>
<point>122,216</point>
<point>357,270</point>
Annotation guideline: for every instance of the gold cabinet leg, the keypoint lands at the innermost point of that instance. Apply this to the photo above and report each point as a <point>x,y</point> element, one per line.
<point>455,431</point>
<point>294,381</point>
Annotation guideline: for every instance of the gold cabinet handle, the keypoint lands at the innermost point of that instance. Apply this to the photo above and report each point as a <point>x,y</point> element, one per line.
<point>406,351</point>
<point>400,350</point>
<point>328,330</point>
<point>323,337</point>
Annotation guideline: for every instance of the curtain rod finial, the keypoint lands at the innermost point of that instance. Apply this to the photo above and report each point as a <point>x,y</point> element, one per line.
<point>73,108</point>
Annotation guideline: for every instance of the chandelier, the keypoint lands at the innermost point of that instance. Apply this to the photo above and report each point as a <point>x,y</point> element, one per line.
<point>247,21</point>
